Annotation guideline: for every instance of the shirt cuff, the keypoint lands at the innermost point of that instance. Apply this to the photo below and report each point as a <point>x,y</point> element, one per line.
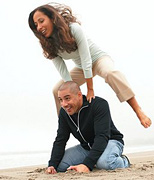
<point>88,73</point>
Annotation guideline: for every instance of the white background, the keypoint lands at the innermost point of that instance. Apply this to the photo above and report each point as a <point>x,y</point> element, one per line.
<point>122,28</point>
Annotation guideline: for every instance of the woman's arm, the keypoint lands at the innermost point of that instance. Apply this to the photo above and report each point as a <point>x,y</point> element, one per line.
<point>90,90</point>
<point>85,56</point>
<point>62,68</point>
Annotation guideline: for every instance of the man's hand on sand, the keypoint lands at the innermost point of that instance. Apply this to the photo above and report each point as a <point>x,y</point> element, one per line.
<point>51,170</point>
<point>80,168</point>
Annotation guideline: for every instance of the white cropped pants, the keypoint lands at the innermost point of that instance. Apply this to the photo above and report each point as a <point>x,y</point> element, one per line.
<point>103,67</point>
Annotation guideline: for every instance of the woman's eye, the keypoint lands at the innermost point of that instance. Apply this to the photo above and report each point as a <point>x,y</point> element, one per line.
<point>41,20</point>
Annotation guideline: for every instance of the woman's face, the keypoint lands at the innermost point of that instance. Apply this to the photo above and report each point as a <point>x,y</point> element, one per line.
<point>43,23</point>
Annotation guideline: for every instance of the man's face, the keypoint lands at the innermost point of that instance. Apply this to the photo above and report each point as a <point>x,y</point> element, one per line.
<point>69,101</point>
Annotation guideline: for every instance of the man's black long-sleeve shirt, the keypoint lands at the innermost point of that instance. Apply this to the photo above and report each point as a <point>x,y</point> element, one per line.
<point>92,126</point>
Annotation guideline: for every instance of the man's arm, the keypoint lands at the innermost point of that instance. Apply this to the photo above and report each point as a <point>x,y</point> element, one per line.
<point>58,149</point>
<point>102,120</point>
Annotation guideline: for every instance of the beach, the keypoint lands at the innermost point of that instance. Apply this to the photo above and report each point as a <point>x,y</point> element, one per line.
<point>28,116</point>
<point>142,167</point>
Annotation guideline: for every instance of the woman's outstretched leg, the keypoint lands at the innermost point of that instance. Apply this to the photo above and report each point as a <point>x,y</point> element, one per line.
<point>117,81</point>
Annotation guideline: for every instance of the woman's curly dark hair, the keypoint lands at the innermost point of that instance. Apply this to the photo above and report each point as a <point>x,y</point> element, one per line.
<point>61,38</point>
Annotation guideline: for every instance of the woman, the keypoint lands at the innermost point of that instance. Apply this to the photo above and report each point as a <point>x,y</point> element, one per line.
<point>62,38</point>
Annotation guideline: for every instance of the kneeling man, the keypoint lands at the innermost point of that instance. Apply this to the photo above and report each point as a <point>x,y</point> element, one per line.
<point>101,144</point>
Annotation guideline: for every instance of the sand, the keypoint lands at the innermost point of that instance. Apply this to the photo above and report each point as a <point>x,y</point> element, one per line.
<point>142,167</point>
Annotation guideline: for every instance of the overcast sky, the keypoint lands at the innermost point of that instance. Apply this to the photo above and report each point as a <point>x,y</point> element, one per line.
<point>122,28</point>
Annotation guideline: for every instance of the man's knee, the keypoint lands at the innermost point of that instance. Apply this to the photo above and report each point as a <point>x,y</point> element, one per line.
<point>108,163</point>
<point>104,163</point>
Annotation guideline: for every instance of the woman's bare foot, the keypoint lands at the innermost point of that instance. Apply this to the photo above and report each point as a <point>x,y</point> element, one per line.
<point>145,121</point>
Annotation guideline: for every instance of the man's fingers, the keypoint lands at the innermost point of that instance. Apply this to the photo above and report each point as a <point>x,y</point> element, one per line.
<point>51,170</point>
<point>72,168</point>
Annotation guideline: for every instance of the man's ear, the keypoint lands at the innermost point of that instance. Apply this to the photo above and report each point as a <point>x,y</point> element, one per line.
<point>80,94</point>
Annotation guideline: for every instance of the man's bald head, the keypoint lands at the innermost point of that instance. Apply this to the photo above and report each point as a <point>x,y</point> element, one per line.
<point>72,86</point>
